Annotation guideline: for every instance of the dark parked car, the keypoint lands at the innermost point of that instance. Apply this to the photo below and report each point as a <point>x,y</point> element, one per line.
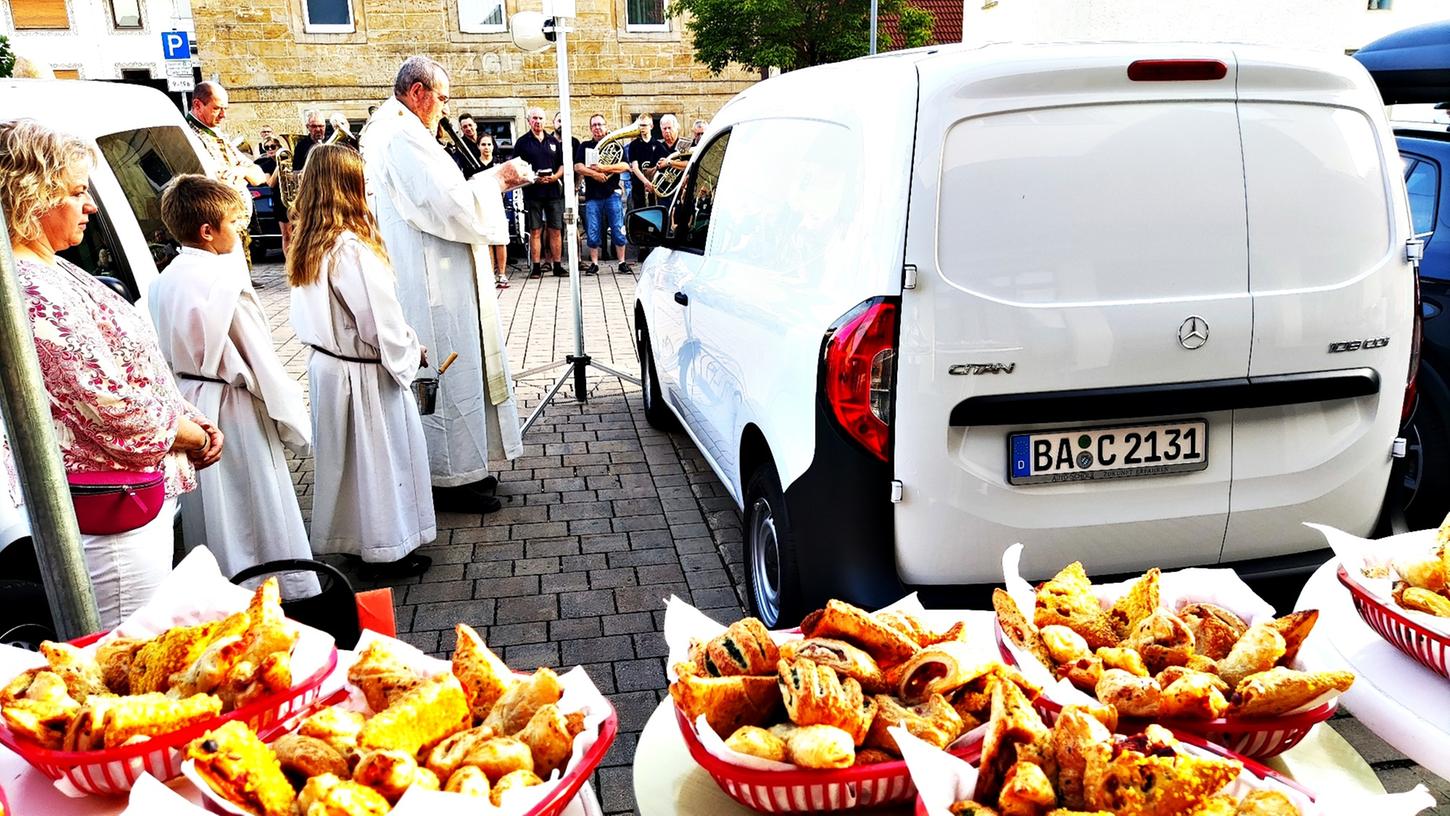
<point>1426,151</point>
<point>265,229</point>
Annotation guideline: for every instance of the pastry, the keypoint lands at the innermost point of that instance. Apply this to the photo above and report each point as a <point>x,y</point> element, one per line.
<point>1192,696</point>
<point>1128,660</point>
<point>1074,732</point>
<point>842,621</point>
<point>1131,695</point>
<point>1014,727</point>
<point>916,629</point>
<point>1171,674</point>
<point>148,715</point>
<point>382,675</point>
<point>447,756</point>
<point>940,669</point>
<point>1419,599</point>
<point>390,773</point>
<point>816,695</point>
<point>337,727</point>
<point>1215,629</point>
<point>38,707</point>
<point>549,740</point>
<point>1140,601</point>
<point>1281,690</point>
<point>1162,640</point>
<point>1258,650</point>
<point>114,658</point>
<point>1146,776</point>
<point>501,756</point>
<point>517,705</point>
<point>1018,629</point>
<point>847,660</point>
<point>419,719</point>
<point>1026,791</point>
<point>934,721</point>
<point>1068,600</point>
<point>468,781</point>
<point>1085,673</point>
<point>821,746</point>
<point>1294,628</point>
<point>873,756</point>
<point>757,742</point>
<point>169,652</point>
<point>516,779</point>
<point>304,757</point>
<point>484,676</point>
<point>726,702</point>
<point>242,770</point>
<point>81,674</point>
<point>328,795</point>
<point>744,648</point>
<point>1065,645</point>
<point>1266,803</point>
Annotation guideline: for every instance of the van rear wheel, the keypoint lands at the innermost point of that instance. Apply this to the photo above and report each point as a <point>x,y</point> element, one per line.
<point>656,413</point>
<point>770,558</point>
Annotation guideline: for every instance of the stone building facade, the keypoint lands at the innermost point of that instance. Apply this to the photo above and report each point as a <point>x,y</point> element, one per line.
<point>278,58</point>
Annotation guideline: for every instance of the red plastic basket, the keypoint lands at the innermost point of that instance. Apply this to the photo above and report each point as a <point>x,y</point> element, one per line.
<point>4,804</point>
<point>806,790</point>
<point>1267,775</point>
<point>1259,738</point>
<point>1429,648</point>
<point>114,771</point>
<point>552,804</point>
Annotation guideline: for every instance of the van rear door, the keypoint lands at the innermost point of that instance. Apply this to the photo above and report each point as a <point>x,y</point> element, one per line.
<point>1333,293</point>
<point>1080,242</point>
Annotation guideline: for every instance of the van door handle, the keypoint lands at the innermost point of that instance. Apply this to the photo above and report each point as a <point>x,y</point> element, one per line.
<point>682,298</point>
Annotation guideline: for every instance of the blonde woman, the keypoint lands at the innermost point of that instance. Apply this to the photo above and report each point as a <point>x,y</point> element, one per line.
<point>372,495</point>
<point>113,401</point>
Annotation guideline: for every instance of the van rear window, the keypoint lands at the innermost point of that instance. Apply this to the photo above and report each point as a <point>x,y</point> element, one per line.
<point>143,161</point>
<point>1115,202</point>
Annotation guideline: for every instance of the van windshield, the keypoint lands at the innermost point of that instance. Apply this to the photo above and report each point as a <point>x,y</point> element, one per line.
<point>143,161</point>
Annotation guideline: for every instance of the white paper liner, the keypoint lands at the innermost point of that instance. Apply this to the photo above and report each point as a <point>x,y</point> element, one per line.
<point>580,694</point>
<point>149,797</point>
<point>1357,553</point>
<point>684,623</point>
<point>942,780</point>
<point>1222,587</point>
<point>194,592</point>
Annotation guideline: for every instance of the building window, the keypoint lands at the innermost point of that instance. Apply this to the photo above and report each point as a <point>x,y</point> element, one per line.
<point>328,16</point>
<point>126,13</point>
<point>481,16</point>
<point>1380,5</point>
<point>39,14</point>
<point>645,15</point>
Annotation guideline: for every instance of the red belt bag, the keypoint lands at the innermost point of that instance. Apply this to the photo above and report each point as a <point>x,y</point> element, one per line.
<point>115,501</point>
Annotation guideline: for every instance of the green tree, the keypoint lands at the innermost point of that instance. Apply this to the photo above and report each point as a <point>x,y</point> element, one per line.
<point>7,57</point>
<point>792,34</point>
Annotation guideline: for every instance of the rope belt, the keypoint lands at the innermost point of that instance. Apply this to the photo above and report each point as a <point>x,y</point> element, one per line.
<point>320,350</point>
<point>181,375</point>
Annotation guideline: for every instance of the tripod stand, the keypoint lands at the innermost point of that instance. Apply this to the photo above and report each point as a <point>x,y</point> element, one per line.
<point>577,364</point>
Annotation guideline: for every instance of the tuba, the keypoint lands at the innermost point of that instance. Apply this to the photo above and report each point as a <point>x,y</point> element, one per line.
<point>611,147</point>
<point>289,181</point>
<point>668,175</point>
<point>341,132</point>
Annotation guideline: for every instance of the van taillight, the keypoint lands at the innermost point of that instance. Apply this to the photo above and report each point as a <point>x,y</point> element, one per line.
<point>1176,70</point>
<point>1411,385</point>
<point>859,373</point>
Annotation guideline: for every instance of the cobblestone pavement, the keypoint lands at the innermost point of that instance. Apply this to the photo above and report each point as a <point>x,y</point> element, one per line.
<point>604,518</point>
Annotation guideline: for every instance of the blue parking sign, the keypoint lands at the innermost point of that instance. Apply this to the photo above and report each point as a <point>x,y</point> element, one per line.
<point>175,45</point>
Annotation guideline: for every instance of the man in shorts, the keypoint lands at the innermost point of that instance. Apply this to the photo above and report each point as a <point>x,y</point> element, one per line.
<point>544,199</point>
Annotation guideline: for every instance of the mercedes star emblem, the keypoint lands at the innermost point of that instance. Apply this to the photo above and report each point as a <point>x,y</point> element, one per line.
<point>1193,333</point>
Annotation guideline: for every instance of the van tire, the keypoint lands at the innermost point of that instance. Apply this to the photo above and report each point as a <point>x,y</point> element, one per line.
<point>1426,506</point>
<point>771,570</point>
<point>656,413</point>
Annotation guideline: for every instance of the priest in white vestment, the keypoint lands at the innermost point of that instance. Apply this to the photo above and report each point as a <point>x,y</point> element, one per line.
<point>437,227</point>
<point>216,339</point>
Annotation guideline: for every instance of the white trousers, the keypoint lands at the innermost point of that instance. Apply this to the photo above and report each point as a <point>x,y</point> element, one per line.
<point>126,568</point>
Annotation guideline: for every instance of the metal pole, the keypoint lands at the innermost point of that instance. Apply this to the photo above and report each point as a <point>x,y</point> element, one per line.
<point>873,26</point>
<point>571,208</point>
<point>37,458</point>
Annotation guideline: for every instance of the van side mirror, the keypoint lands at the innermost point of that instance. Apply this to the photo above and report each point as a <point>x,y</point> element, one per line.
<point>647,226</point>
<point>119,287</point>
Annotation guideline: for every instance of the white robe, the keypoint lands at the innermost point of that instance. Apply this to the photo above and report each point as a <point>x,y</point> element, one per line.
<point>371,495</point>
<point>210,324</point>
<point>437,227</point>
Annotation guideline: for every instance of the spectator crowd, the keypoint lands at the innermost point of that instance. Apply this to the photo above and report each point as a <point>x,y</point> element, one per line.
<point>387,237</point>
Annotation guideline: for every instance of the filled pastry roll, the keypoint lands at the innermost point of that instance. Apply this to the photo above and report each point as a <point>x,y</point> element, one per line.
<point>821,746</point>
<point>1281,690</point>
<point>934,721</point>
<point>744,648</point>
<point>847,660</point>
<point>940,669</point>
<point>842,621</point>
<point>726,702</point>
<point>816,695</point>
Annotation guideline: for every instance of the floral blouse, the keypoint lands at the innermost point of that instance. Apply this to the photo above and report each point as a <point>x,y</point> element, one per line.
<point>113,401</point>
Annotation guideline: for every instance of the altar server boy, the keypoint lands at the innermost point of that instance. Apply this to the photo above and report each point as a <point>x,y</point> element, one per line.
<point>216,338</point>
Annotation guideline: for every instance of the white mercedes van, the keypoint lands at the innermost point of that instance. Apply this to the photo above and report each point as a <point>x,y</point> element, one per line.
<point>1138,305</point>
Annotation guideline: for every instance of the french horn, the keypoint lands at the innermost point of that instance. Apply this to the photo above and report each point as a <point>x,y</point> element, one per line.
<point>611,147</point>
<point>289,181</point>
